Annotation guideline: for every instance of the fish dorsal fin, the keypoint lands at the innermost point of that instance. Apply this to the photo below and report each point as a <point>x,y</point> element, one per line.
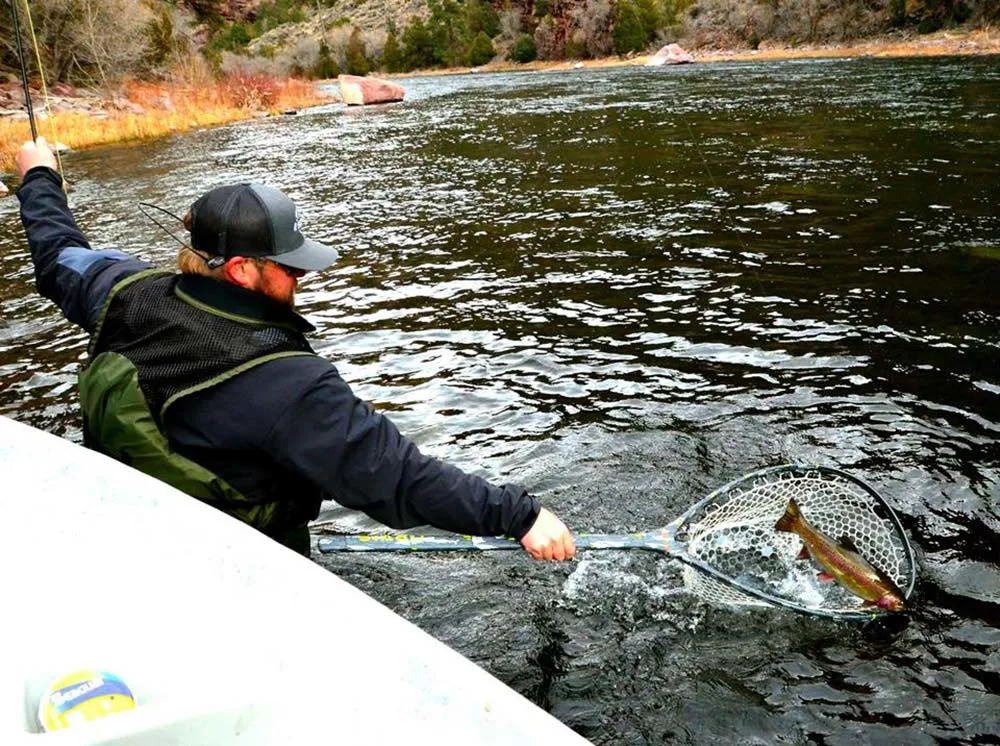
<point>846,543</point>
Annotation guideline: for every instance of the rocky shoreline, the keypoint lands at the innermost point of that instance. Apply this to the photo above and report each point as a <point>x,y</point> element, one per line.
<point>942,43</point>
<point>66,98</point>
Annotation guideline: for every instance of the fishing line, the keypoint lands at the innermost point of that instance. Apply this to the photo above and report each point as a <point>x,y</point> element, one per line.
<point>165,229</point>
<point>213,262</point>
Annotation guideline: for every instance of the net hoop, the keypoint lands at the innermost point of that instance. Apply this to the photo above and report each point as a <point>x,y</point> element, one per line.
<point>733,555</point>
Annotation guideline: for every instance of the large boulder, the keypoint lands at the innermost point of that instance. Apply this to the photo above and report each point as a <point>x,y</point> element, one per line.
<point>672,54</point>
<point>356,91</point>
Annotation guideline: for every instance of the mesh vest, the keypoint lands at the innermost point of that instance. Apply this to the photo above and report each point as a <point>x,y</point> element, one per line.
<point>153,346</point>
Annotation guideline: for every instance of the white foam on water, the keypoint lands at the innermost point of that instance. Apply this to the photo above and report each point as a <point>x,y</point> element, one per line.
<point>771,207</point>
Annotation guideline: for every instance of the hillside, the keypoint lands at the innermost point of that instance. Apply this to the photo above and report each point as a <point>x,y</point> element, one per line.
<point>105,42</point>
<point>436,33</point>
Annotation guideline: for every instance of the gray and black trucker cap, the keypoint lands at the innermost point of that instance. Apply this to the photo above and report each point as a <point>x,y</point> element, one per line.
<point>254,220</point>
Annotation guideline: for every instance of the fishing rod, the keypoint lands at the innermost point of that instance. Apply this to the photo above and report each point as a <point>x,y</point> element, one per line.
<point>41,78</point>
<point>24,70</point>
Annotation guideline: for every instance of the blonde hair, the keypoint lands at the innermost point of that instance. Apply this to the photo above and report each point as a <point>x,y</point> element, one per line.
<point>189,262</point>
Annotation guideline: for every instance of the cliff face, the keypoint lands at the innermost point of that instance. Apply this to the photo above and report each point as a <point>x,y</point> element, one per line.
<point>594,28</point>
<point>367,15</point>
<point>234,10</point>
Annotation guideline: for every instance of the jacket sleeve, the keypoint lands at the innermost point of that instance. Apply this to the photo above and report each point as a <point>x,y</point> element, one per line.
<point>359,457</point>
<point>67,271</point>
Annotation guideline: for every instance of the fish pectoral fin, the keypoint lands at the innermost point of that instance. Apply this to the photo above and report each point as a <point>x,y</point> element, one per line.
<point>825,577</point>
<point>846,543</point>
<point>804,554</point>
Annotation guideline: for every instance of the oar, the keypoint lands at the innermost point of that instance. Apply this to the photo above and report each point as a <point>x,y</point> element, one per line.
<point>728,543</point>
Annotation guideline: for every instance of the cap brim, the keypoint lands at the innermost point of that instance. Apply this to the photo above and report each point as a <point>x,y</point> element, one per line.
<point>310,256</point>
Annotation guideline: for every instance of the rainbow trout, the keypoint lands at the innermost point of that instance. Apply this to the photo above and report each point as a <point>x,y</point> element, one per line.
<point>842,562</point>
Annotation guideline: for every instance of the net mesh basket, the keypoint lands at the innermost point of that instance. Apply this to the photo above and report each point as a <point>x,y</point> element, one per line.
<point>734,533</point>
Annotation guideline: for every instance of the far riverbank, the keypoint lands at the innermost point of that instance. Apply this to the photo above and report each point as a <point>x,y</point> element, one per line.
<point>941,43</point>
<point>147,111</point>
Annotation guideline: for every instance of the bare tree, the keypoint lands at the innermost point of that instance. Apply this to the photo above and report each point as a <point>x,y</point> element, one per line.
<point>107,38</point>
<point>304,55</point>
<point>54,23</point>
<point>549,41</point>
<point>593,22</point>
<point>510,23</point>
<point>375,42</point>
<point>337,40</point>
<point>102,40</point>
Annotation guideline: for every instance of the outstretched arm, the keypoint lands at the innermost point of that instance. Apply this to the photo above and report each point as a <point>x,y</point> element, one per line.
<point>67,270</point>
<point>359,457</point>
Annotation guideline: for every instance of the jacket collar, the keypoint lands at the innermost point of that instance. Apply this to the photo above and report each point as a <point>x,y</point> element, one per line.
<point>234,300</point>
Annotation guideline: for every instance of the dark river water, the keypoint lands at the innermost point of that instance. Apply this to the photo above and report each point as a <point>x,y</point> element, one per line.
<point>623,288</point>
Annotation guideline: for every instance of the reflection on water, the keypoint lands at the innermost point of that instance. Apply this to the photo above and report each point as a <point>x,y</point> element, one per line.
<point>623,288</point>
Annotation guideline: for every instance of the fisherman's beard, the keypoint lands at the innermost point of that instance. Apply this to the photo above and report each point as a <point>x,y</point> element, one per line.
<point>283,293</point>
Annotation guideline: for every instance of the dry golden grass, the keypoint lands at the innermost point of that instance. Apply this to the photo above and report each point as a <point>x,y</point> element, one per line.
<point>167,108</point>
<point>197,100</point>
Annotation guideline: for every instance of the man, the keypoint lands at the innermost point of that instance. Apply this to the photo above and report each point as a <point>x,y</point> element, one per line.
<point>205,380</point>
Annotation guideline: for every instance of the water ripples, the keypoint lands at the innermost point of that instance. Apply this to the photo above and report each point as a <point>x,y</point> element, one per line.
<point>623,288</point>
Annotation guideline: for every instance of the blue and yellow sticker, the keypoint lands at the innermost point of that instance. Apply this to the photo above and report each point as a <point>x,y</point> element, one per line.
<point>82,696</point>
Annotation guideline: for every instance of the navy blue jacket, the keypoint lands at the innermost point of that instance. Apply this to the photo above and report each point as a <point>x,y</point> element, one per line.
<point>290,427</point>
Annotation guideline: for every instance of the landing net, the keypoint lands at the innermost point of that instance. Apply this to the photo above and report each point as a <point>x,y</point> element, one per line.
<point>733,532</point>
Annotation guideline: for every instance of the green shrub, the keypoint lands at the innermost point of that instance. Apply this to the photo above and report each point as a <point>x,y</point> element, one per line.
<point>628,35</point>
<point>897,13</point>
<point>524,49</point>
<point>355,57</point>
<point>929,24</point>
<point>575,50</point>
<point>160,33</point>
<point>207,11</point>
<point>231,38</point>
<point>480,16</point>
<point>326,66</point>
<point>480,50</point>
<point>392,55</point>
<point>418,47</point>
<point>652,18</point>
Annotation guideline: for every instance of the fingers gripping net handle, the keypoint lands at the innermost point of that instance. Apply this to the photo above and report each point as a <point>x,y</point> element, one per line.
<point>732,532</point>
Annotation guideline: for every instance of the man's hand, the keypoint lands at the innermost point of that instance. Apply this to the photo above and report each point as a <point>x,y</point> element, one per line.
<point>34,154</point>
<point>549,539</point>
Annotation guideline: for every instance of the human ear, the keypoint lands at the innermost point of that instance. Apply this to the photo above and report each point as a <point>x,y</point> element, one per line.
<point>240,271</point>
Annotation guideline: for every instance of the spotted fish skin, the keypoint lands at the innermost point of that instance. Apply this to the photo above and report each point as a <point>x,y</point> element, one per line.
<point>843,563</point>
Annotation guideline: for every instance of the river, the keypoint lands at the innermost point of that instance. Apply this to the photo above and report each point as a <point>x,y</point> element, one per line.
<point>623,288</point>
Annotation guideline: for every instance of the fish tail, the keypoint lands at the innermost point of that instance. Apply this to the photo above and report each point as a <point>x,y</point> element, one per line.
<point>790,519</point>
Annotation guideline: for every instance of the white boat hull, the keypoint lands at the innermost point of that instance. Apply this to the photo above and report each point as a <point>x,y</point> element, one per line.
<point>223,635</point>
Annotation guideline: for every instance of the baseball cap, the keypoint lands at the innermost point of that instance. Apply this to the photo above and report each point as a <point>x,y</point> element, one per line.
<point>254,220</point>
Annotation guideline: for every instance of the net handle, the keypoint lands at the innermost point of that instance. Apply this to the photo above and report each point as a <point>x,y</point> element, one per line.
<point>664,540</point>
<point>653,540</point>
